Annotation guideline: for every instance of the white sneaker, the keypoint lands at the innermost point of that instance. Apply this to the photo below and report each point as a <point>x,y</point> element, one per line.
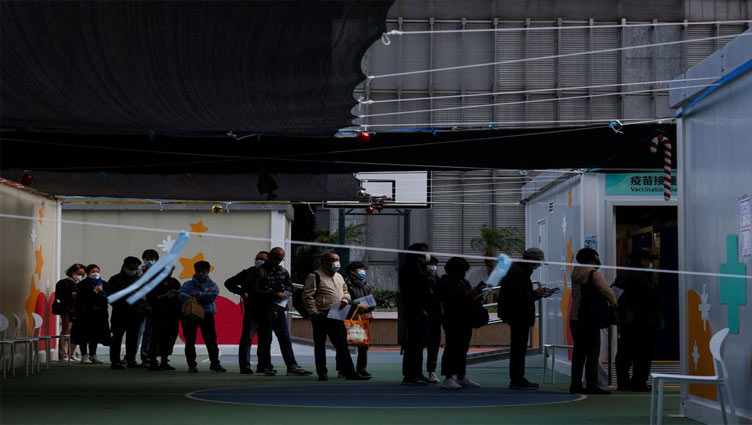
<point>85,359</point>
<point>450,384</point>
<point>432,378</point>
<point>467,383</point>
<point>75,358</point>
<point>94,360</point>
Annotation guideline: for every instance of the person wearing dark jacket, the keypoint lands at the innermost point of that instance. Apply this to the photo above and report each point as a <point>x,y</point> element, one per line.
<point>125,318</point>
<point>517,299</point>
<point>456,297</point>
<point>271,282</point>
<point>91,326</point>
<point>357,287</point>
<point>165,319</point>
<point>640,314</point>
<point>65,297</point>
<point>242,284</point>
<point>415,293</point>
<point>433,329</point>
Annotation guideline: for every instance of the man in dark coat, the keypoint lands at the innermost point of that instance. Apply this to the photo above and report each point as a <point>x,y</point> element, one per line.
<point>517,308</point>
<point>242,284</point>
<point>415,293</point>
<point>125,318</point>
<point>640,314</point>
<point>165,319</point>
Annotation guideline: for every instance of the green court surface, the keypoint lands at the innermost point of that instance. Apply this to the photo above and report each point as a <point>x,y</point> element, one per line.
<point>94,394</point>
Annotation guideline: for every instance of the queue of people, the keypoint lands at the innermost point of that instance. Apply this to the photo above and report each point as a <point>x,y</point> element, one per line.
<point>428,303</point>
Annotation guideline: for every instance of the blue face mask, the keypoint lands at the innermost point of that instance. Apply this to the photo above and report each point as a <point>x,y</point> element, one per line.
<point>650,266</point>
<point>149,263</point>
<point>362,274</point>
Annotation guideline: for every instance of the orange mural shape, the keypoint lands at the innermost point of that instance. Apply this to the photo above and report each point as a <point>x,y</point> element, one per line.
<point>31,304</point>
<point>698,347</point>
<point>198,227</point>
<point>39,259</point>
<point>188,263</point>
<point>569,199</point>
<point>41,214</point>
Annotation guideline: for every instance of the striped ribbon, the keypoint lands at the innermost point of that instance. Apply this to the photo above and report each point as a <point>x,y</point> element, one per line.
<point>666,162</point>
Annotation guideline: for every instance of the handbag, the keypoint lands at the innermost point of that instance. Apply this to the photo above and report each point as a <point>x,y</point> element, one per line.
<point>358,331</point>
<point>192,309</point>
<point>594,307</point>
<point>478,314</point>
<point>60,307</point>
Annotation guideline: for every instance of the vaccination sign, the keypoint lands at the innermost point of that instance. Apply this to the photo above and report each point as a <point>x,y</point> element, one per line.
<point>637,184</point>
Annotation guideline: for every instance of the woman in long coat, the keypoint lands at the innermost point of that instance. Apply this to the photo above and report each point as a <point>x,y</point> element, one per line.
<point>91,326</point>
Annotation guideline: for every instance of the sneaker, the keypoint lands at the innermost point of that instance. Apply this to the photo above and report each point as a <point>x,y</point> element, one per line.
<point>117,366</point>
<point>414,382</point>
<point>433,379</point>
<point>246,371</point>
<point>192,369</point>
<point>298,371</point>
<point>423,378</point>
<point>357,377</point>
<point>450,384</point>
<point>154,368</point>
<point>75,358</point>
<point>524,384</point>
<point>85,359</point>
<point>340,376</point>
<point>217,368</point>
<point>270,371</point>
<point>365,373</point>
<point>134,365</point>
<point>467,383</point>
<point>165,365</point>
<point>95,360</point>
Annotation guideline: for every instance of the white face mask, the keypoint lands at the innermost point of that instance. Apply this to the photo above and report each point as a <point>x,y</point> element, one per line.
<point>95,275</point>
<point>259,263</point>
<point>79,277</point>
<point>428,258</point>
<point>335,266</point>
<point>432,269</point>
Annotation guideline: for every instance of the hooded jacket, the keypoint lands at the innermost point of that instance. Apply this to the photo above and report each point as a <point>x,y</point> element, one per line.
<point>580,276</point>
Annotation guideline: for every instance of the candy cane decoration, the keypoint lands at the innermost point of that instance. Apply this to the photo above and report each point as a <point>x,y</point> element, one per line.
<point>666,162</point>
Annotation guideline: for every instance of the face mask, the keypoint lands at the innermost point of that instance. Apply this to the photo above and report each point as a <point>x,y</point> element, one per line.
<point>79,277</point>
<point>361,274</point>
<point>335,266</point>
<point>95,276</point>
<point>432,269</point>
<point>427,258</point>
<point>201,277</point>
<point>650,266</point>
<point>259,263</point>
<point>131,273</point>
<point>149,263</point>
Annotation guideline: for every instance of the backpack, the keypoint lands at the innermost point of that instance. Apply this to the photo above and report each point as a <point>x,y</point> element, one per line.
<point>297,298</point>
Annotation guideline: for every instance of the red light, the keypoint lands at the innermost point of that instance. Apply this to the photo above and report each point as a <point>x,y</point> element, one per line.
<point>363,137</point>
<point>26,179</point>
<point>370,209</point>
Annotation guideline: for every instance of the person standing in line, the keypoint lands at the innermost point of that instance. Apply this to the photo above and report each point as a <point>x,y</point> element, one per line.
<point>65,301</point>
<point>150,258</point>
<point>324,288</point>
<point>270,284</point>
<point>165,318</point>
<point>456,297</point>
<point>202,289</point>
<point>357,287</point>
<point>516,307</point>
<point>640,314</point>
<point>126,318</point>
<point>433,336</point>
<point>585,332</point>
<point>415,293</point>
<point>242,284</point>
<point>91,326</point>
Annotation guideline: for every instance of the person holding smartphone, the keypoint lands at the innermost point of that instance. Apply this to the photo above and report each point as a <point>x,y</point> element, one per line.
<point>516,307</point>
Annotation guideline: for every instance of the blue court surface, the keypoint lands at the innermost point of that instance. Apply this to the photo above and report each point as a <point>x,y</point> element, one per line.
<point>381,396</point>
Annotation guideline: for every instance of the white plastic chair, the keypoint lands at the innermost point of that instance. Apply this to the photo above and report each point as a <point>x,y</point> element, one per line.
<point>38,323</point>
<point>552,348</point>
<point>3,342</point>
<point>28,343</point>
<point>720,379</point>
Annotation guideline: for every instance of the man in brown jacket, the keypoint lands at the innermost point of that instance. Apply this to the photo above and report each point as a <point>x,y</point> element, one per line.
<point>323,288</point>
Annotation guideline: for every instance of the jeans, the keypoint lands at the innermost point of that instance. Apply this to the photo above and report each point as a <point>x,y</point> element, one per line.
<point>335,329</point>
<point>520,330</point>
<point>90,349</point>
<point>276,321</point>
<point>145,331</point>
<point>210,339</point>
<point>127,326</point>
<point>246,339</point>
<point>586,352</point>
<point>454,360</point>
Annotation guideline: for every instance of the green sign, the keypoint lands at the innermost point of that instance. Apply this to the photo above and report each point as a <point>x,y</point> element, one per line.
<point>637,184</point>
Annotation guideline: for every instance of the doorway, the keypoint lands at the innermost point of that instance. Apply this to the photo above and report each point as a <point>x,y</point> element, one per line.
<point>656,229</point>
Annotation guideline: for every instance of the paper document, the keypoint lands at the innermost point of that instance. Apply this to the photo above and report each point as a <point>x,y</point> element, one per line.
<point>283,303</point>
<point>338,313</point>
<point>368,300</point>
<point>617,291</point>
<point>484,293</point>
